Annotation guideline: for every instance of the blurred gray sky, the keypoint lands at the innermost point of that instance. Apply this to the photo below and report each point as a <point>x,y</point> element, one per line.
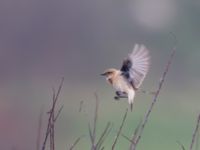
<point>73,38</point>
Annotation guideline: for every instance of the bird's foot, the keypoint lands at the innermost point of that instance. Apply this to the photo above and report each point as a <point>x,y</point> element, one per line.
<point>121,94</point>
<point>117,98</point>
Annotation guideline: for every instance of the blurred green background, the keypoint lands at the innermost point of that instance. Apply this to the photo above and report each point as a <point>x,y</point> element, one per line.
<point>41,41</point>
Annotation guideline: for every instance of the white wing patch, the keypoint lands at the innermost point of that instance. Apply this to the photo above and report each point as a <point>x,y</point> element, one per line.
<point>140,59</point>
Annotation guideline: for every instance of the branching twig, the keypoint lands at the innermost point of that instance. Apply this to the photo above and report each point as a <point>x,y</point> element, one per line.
<point>76,142</point>
<point>132,141</point>
<point>197,141</point>
<point>120,129</point>
<point>90,133</point>
<point>103,135</point>
<point>155,98</point>
<point>52,127</point>
<point>39,129</point>
<point>134,136</point>
<point>195,133</point>
<point>51,116</point>
<point>93,133</point>
<point>127,138</point>
<point>96,116</point>
<point>182,146</point>
<point>58,113</point>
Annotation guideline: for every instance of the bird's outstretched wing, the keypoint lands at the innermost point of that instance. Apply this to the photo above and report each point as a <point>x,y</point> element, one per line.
<point>136,66</point>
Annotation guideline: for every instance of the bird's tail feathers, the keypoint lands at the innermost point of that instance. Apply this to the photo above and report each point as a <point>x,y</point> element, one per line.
<point>131,96</point>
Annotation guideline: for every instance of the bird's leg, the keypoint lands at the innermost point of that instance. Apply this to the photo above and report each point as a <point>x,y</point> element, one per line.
<point>119,95</point>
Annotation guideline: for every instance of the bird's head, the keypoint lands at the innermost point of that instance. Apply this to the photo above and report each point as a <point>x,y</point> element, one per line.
<point>109,73</point>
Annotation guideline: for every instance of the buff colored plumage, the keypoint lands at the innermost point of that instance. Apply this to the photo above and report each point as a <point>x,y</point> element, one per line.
<point>129,78</point>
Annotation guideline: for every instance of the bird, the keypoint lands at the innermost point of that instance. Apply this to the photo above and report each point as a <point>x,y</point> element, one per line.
<point>127,80</point>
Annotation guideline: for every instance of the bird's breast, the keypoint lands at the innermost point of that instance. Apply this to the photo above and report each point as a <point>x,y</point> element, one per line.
<point>120,84</point>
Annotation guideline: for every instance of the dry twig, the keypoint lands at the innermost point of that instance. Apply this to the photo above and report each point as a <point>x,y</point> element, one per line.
<point>181,145</point>
<point>92,133</point>
<point>155,97</point>
<point>120,129</point>
<point>134,136</point>
<point>195,133</point>
<point>52,119</point>
<point>103,136</point>
<point>39,129</point>
<point>76,142</point>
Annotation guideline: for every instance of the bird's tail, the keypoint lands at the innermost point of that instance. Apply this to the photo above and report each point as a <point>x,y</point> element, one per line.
<point>131,95</point>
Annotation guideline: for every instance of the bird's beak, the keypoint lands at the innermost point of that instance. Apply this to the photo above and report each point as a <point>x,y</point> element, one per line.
<point>103,74</point>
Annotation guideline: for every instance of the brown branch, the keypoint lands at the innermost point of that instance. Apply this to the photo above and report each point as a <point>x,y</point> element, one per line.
<point>155,97</point>
<point>76,142</point>
<point>96,115</point>
<point>51,115</point>
<point>120,129</point>
<point>197,141</point>
<point>58,113</point>
<point>127,138</point>
<point>102,148</point>
<point>181,145</point>
<point>195,133</point>
<point>90,133</point>
<point>51,137</point>
<point>52,129</point>
<point>134,136</point>
<point>38,140</point>
<point>103,135</point>
<point>93,133</point>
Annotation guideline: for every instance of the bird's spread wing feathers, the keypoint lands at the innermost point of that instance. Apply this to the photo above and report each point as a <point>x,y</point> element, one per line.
<point>136,66</point>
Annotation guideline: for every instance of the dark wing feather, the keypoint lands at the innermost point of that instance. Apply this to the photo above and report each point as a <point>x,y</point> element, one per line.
<point>136,66</point>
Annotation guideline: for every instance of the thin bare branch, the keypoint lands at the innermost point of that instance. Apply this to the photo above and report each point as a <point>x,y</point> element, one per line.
<point>38,140</point>
<point>126,137</point>
<point>104,135</point>
<point>195,133</point>
<point>51,114</point>
<point>102,148</point>
<point>58,113</point>
<point>76,142</point>
<point>96,116</point>
<point>134,136</point>
<point>52,127</point>
<point>120,129</point>
<point>155,97</point>
<point>90,133</point>
<point>51,137</point>
<point>197,140</point>
<point>93,133</point>
<point>181,145</point>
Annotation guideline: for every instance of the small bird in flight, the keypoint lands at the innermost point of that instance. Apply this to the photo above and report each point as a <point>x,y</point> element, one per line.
<point>129,78</point>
